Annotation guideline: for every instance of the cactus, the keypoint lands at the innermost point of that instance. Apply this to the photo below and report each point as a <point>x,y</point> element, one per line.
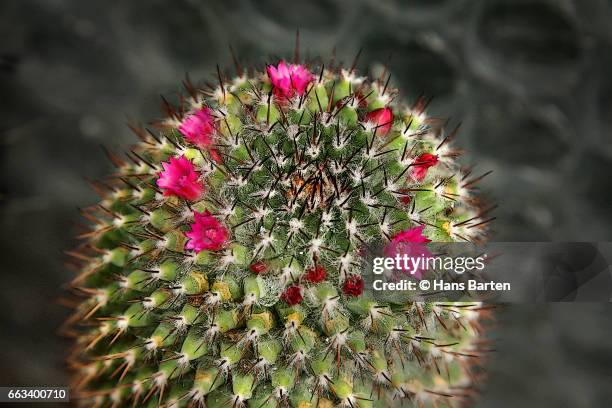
<point>224,263</point>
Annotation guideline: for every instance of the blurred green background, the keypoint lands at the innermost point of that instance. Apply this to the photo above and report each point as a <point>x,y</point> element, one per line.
<point>529,80</point>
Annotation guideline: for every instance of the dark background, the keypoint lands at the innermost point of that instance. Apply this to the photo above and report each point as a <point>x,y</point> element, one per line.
<point>530,81</point>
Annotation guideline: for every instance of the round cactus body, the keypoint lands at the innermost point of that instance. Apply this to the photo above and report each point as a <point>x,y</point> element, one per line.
<point>224,265</point>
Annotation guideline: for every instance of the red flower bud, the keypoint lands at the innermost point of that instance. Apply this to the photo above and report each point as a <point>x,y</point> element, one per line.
<point>214,154</point>
<point>382,118</point>
<point>258,267</point>
<point>293,295</point>
<point>405,199</point>
<point>421,164</point>
<point>353,285</point>
<point>316,274</point>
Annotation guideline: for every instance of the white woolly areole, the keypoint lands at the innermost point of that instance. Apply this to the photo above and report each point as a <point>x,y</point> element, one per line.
<point>295,225</point>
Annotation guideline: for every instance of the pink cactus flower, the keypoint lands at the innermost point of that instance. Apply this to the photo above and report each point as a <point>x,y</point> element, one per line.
<point>179,178</point>
<point>199,127</point>
<point>381,118</point>
<point>421,164</point>
<point>289,79</point>
<point>410,243</point>
<point>206,233</point>
<point>411,235</point>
